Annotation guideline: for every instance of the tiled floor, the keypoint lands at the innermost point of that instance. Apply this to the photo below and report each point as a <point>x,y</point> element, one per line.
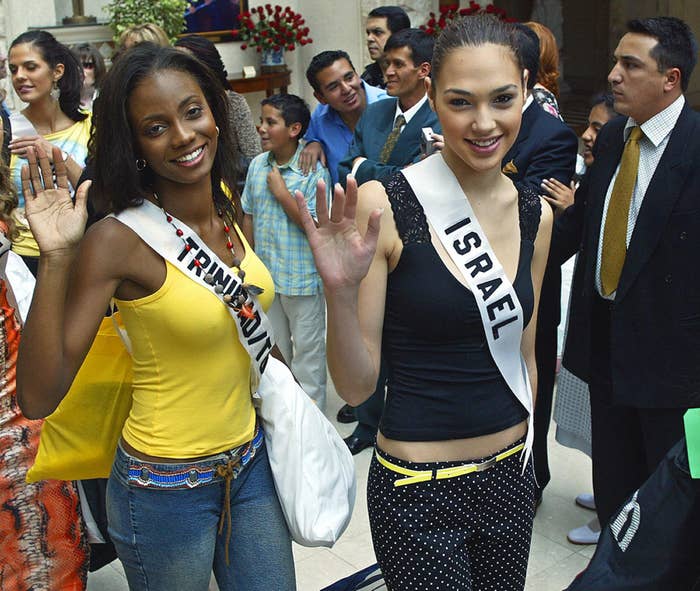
<point>553,561</point>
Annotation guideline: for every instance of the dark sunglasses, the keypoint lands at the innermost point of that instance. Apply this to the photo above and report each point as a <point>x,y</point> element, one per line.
<point>89,65</point>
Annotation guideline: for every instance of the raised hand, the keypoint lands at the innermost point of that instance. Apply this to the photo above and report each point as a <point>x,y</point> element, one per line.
<point>342,254</point>
<point>56,222</point>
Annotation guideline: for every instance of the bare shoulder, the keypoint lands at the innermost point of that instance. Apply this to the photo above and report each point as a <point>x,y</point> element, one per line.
<point>111,246</point>
<point>546,218</point>
<point>372,197</point>
<point>111,235</point>
<point>544,232</point>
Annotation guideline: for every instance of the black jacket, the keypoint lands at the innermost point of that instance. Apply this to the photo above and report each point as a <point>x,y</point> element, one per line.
<point>655,319</point>
<point>545,148</point>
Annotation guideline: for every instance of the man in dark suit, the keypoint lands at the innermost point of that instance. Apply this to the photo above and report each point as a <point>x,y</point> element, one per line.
<point>387,138</point>
<point>545,148</point>
<point>408,54</point>
<point>634,332</point>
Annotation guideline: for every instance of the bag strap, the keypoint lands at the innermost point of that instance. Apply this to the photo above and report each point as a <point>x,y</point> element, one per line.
<point>120,330</point>
<point>196,260</point>
<point>449,212</point>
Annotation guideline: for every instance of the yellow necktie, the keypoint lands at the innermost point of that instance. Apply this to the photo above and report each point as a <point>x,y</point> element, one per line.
<point>391,139</point>
<point>615,233</point>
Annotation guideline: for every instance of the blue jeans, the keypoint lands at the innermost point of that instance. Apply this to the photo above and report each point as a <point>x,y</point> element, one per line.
<point>167,539</point>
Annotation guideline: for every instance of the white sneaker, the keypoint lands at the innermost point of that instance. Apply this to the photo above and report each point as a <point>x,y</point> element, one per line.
<point>586,534</point>
<point>586,500</point>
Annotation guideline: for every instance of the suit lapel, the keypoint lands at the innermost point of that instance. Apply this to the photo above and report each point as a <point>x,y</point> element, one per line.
<point>386,121</point>
<point>659,200</point>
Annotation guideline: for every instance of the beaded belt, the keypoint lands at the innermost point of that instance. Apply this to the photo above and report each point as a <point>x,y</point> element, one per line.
<point>415,476</point>
<point>145,475</point>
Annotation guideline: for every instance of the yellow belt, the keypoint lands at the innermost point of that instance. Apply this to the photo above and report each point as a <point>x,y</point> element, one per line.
<point>415,476</point>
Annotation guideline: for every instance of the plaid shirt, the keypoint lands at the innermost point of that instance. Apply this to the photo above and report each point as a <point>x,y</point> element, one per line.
<point>279,242</point>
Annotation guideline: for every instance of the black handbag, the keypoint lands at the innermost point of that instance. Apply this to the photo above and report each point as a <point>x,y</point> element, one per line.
<point>652,542</point>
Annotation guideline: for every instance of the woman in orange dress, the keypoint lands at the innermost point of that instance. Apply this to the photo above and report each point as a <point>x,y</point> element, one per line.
<point>41,532</point>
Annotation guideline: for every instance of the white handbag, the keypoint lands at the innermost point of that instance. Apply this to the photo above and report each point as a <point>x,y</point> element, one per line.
<point>313,470</point>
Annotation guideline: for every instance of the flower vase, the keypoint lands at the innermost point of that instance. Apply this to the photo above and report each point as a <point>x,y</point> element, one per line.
<point>273,60</point>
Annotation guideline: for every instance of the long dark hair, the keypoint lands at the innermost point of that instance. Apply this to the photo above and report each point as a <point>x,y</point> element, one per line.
<point>118,184</point>
<point>54,53</point>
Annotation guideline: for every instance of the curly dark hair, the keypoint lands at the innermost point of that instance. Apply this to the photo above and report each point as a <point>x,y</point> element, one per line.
<point>118,184</point>
<point>54,53</point>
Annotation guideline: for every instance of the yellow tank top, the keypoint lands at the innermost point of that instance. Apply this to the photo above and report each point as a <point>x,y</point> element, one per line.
<point>191,373</point>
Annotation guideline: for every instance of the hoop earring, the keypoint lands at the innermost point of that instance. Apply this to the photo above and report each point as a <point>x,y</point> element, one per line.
<point>217,131</point>
<point>141,164</point>
<point>55,91</point>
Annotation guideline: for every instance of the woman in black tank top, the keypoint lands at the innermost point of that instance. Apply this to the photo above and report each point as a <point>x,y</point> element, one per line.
<point>450,493</point>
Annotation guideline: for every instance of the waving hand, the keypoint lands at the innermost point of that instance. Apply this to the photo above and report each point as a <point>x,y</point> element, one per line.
<point>342,254</point>
<point>56,222</point>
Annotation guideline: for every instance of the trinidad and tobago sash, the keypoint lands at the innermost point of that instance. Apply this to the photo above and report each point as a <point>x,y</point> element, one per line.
<point>196,260</point>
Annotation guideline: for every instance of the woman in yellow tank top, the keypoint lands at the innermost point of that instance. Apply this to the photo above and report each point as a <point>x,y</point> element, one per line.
<point>191,454</point>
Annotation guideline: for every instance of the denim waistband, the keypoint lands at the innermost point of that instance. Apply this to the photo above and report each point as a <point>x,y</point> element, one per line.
<point>184,475</point>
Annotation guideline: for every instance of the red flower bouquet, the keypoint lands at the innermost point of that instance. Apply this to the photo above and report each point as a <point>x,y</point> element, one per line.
<point>437,22</point>
<point>274,28</point>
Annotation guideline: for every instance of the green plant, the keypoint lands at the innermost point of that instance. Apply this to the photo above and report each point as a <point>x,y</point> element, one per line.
<point>168,14</point>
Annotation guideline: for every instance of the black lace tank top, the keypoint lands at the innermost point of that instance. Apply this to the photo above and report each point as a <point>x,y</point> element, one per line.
<point>443,382</point>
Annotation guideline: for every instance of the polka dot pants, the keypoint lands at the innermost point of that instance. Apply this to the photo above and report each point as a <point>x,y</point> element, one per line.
<point>468,533</point>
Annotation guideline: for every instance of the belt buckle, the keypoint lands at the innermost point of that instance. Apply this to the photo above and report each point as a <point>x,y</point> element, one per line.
<point>488,464</point>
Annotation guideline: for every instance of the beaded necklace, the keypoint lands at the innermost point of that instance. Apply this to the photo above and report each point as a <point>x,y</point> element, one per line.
<point>242,303</point>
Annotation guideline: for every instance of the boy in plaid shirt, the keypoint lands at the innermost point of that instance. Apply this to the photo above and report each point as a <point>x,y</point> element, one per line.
<point>272,224</point>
